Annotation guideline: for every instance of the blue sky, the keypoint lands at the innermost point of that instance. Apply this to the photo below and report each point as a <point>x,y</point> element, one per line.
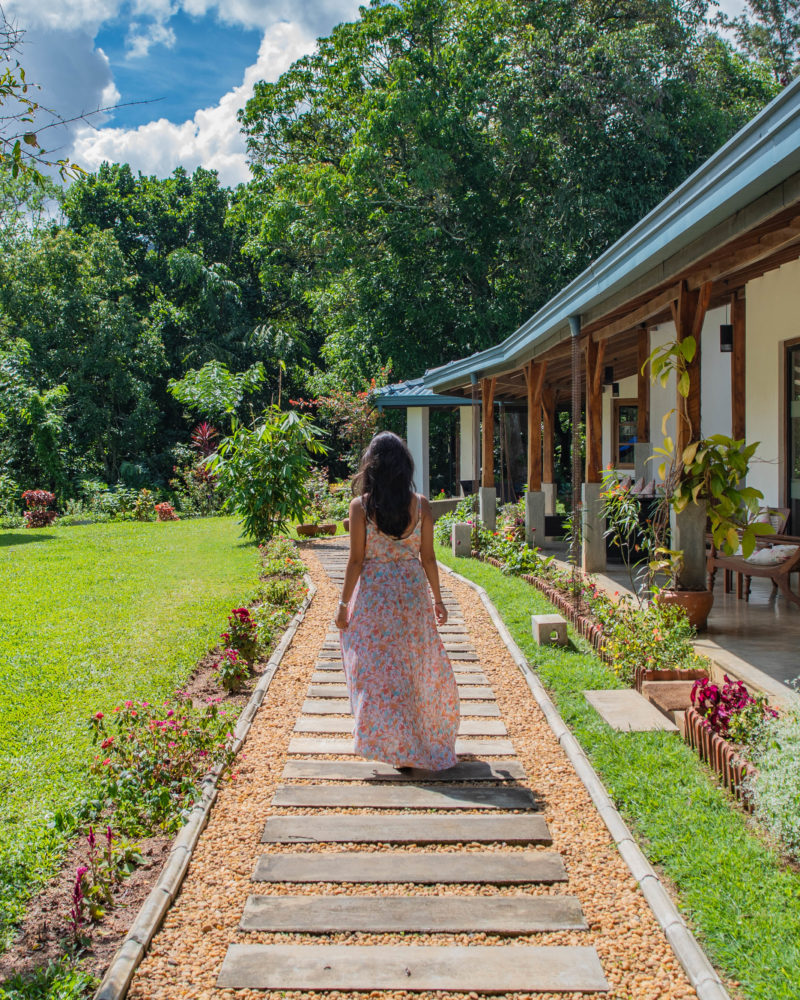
<point>206,60</point>
<point>196,61</point>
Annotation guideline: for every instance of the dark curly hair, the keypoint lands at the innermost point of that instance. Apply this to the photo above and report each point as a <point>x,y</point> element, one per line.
<point>385,478</point>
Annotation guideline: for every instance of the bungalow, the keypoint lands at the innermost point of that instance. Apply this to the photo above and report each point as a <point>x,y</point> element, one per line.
<point>718,259</point>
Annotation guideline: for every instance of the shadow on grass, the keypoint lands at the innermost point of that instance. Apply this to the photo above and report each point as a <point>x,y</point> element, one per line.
<point>6,538</point>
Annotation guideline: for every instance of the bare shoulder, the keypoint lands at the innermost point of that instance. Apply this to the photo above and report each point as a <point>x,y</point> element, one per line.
<point>425,505</point>
<point>356,509</point>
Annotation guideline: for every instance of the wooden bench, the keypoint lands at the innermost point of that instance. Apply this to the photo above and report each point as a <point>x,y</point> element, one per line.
<point>779,572</point>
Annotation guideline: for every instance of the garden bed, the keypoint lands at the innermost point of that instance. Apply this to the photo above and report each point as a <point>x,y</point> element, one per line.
<point>49,925</point>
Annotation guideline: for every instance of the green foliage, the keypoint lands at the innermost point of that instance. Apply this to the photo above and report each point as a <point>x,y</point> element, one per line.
<point>743,900</point>
<point>263,470</point>
<point>406,168</point>
<point>770,33</point>
<point>58,981</point>
<point>213,391</point>
<point>775,784</point>
<point>90,616</point>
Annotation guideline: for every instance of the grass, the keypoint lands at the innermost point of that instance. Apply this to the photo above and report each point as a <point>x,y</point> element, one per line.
<point>740,899</point>
<point>89,616</point>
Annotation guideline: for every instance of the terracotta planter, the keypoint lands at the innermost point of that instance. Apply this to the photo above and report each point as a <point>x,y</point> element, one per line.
<point>643,674</point>
<point>720,755</point>
<point>346,524</point>
<point>307,530</point>
<point>696,603</point>
<point>327,529</point>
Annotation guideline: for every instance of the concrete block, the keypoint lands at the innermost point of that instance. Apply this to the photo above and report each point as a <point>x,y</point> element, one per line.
<point>534,517</point>
<point>689,536</point>
<point>487,507</point>
<point>642,467</point>
<point>549,630</point>
<point>549,490</point>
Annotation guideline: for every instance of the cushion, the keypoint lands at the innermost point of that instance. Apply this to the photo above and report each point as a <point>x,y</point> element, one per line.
<point>774,555</point>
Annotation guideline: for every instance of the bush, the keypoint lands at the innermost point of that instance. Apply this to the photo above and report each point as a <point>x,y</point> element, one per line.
<point>152,760</point>
<point>232,670</point>
<point>38,501</point>
<point>9,497</point>
<point>279,558</point>
<point>465,512</point>
<point>166,512</point>
<point>730,710</point>
<point>242,634</point>
<point>656,636</point>
<point>775,784</point>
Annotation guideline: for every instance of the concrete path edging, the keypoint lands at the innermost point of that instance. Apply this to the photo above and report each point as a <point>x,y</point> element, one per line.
<point>691,956</point>
<point>119,974</point>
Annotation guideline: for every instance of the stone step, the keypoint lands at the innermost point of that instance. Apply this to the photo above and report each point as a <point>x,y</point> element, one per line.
<point>627,711</point>
<point>517,914</point>
<point>341,706</point>
<point>413,968</point>
<point>529,829</point>
<point>466,692</point>
<point>367,770</point>
<point>669,696</point>
<point>402,797</point>
<point>305,745</point>
<point>428,868</point>
<point>332,724</point>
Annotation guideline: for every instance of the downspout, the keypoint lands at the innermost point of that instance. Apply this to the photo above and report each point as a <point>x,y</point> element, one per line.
<point>577,479</point>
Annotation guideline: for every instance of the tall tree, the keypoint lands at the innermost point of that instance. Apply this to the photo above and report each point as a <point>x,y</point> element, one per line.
<point>435,171</point>
<point>769,31</point>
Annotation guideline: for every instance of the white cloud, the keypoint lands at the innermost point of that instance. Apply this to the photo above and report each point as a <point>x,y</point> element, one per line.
<point>211,138</point>
<point>141,39</point>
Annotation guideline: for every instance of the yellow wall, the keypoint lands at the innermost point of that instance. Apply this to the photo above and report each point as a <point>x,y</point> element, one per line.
<point>773,317</point>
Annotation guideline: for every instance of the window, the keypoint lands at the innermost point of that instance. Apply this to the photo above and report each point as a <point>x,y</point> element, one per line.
<point>626,425</point>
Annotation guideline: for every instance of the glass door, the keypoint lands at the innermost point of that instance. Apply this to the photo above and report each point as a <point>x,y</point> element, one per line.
<point>793,439</point>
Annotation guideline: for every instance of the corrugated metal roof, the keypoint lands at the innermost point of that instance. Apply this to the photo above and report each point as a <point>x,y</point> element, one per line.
<point>414,393</point>
<point>760,157</point>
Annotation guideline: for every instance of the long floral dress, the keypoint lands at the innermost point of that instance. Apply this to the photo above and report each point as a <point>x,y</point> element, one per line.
<point>402,689</point>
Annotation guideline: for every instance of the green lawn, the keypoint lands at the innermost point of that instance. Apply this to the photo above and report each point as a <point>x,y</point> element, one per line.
<point>89,616</point>
<point>743,904</point>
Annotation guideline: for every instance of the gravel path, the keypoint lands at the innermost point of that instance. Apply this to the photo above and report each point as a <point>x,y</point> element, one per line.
<point>187,954</point>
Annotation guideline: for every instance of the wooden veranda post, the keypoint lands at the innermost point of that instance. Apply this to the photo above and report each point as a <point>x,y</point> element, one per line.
<point>487,430</point>
<point>548,434</point>
<point>595,355</point>
<point>689,312</point>
<point>534,378</point>
<point>738,355</point>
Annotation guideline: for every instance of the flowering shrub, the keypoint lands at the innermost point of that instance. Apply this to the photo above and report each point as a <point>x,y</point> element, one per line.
<point>242,634</point>
<point>232,670</point>
<point>466,511</point>
<point>774,785</point>
<point>730,710</point>
<point>109,863</point>
<point>166,512</point>
<point>152,760</point>
<point>143,506</point>
<point>654,636</point>
<point>279,558</point>
<point>37,515</point>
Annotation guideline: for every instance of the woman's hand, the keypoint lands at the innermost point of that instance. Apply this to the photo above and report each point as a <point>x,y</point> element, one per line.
<point>441,612</point>
<point>341,617</point>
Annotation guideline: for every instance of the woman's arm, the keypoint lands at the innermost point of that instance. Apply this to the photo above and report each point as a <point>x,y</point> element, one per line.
<point>358,541</point>
<point>427,557</point>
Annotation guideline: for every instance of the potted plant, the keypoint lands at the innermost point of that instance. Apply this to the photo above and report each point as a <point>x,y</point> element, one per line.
<point>317,506</point>
<point>709,473</point>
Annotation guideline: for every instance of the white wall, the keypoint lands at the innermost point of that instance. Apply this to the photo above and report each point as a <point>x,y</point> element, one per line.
<point>628,388</point>
<point>661,400</point>
<point>773,316</point>
<point>715,377</point>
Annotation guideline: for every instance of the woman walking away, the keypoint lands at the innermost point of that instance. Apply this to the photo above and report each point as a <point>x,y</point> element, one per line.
<point>402,690</point>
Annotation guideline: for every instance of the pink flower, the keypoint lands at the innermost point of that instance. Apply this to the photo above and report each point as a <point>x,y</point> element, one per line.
<point>98,715</point>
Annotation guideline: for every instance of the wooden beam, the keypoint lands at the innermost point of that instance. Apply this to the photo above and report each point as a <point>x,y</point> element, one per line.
<point>738,356</point>
<point>548,434</point>
<point>747,254</point>
<point>534,378</point>
<point>604,330</point>
<point>643,388</point>
<point>487,428</point>
<point>595,356</point>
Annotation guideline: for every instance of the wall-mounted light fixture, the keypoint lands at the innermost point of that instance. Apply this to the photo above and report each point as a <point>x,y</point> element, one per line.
<point>726,334</point>
<point>608,379</point>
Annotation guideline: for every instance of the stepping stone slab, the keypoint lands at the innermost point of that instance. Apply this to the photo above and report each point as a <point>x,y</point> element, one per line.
<point>422,914</point>
<point>459,656</point>
<point>366,770</point>
<point>331,724</point>
<point>400,829</point>
<point>627,711</point>
<point>669,696</point>
<point>341,706</point>
<point>400,797</point>
<point>340,748</point>
<point>388,867</point>
<point>413,968</point>
<point>469,693</point>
